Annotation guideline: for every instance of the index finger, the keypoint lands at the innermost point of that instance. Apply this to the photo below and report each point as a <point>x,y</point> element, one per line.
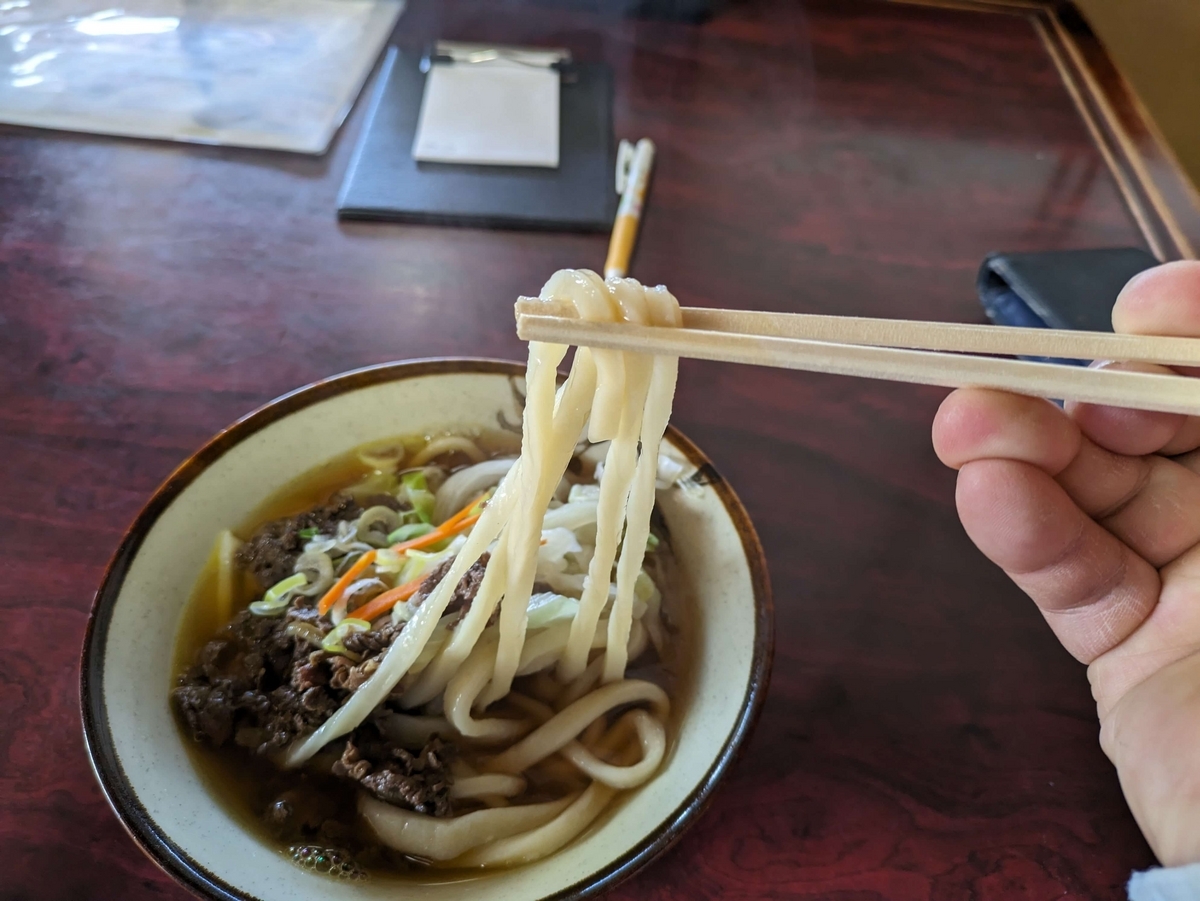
<point>1164,300</point>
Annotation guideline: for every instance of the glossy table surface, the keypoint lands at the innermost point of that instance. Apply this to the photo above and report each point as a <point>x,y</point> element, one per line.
<point>924,737</point>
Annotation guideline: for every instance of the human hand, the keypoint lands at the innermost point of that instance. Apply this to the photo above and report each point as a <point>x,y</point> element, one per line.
<point>1095,513</point>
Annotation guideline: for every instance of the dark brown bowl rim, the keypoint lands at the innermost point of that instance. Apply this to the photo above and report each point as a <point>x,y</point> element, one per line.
<point>98,739</point>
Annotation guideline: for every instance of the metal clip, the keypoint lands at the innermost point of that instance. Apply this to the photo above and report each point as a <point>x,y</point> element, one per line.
<point>449,52</point>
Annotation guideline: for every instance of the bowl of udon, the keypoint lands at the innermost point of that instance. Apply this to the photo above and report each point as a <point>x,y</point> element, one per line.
<point>433,626</point>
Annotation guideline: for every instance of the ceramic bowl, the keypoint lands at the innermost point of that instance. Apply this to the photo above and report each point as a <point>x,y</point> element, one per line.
<point>139,755</point>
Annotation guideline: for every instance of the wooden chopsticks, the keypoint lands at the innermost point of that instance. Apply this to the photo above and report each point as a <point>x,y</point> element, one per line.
<point>928,353</point>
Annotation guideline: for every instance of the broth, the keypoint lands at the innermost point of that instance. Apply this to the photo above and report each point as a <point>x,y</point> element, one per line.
<point>324,822</point>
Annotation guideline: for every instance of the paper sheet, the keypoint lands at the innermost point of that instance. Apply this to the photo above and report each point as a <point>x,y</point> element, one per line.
<point>497,112</point>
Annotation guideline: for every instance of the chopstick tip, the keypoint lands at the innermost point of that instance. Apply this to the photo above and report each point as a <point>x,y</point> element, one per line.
<point>538,306</point>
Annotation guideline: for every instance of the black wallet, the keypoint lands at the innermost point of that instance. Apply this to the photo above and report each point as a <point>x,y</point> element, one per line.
<point>1062,289</point>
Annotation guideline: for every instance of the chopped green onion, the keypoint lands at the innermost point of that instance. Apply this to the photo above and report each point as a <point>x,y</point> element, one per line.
<point>415,479</point>
<point>306,534</point>
<point>389,562</point>
<point>279,589</point>
<point>651,543</point>
<point>410,531</point>
<point>333,641</point>
<point>419,495</point>
<point>419,562</point>
<point>258,608</point>
<point>276,599</point>
<point>375,523</point>
<point>347,561</point>
<point>423,503</point>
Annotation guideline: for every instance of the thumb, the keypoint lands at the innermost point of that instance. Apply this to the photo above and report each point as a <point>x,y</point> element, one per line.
<point>1151,736</point>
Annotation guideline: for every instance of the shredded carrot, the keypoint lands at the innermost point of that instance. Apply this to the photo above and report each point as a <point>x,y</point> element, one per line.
<point>459,522</point>
<point>466,511</point>
<point>334,594</point>
<point>441,533</point>
<point>372,609</point>
<point>378,606</point>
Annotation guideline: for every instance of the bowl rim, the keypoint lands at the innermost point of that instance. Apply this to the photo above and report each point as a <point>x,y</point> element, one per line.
<point>110,775</point>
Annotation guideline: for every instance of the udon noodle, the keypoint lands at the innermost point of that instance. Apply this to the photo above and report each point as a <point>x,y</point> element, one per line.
<point>578,710</point>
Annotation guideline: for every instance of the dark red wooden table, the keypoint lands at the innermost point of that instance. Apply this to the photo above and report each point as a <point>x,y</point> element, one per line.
<point>925,737</point>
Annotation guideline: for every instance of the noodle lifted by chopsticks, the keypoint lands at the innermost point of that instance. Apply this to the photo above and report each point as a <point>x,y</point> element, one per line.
<point>622,398</point>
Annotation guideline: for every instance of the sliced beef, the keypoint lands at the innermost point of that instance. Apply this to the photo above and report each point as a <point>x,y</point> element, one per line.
<point>464,592</point>
<point>299,613</point>
<point>258,685</point>
<point>419,782</point>
<point>208,711</point>
<point>270,555</point>
<point>368,647</point>
<point>262,682</point>
<point>349,676</point>
<point>352,765</point>
<point>372,643</point>
<point>311,673</point>
<point>425,793</point>
<point>291,713</point>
